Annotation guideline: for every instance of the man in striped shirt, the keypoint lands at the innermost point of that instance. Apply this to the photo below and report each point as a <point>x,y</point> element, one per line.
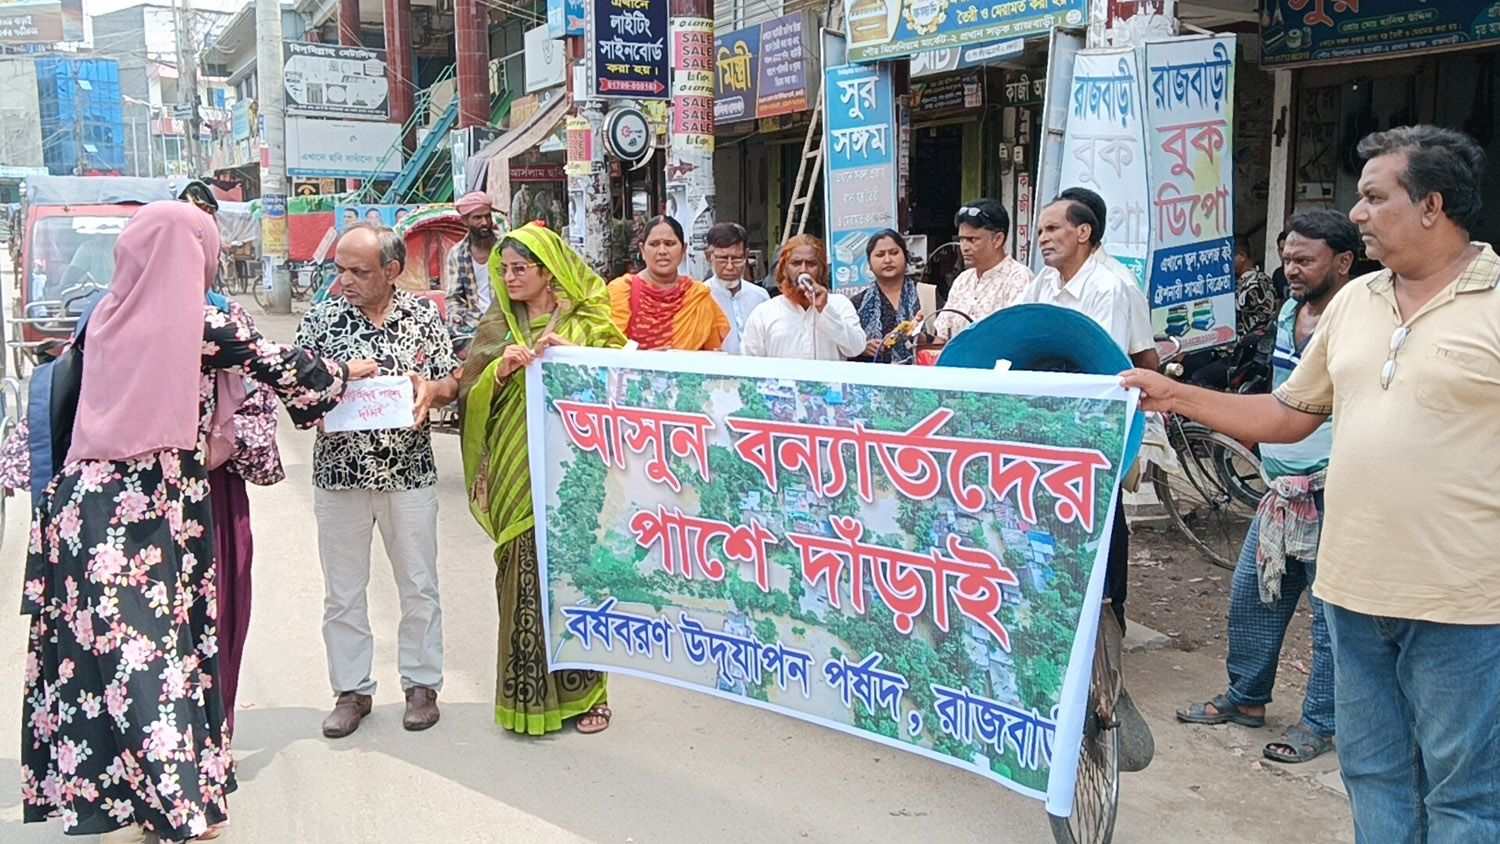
<point>1278,560</point>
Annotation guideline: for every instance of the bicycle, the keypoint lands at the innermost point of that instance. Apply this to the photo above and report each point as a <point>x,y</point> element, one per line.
<point>1116,737</point>
<point>1212,495</point>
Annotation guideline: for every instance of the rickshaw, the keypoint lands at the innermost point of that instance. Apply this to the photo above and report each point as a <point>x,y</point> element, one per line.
<point>67,232</point>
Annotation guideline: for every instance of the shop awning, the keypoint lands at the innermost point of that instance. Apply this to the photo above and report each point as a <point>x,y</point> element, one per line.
<point>494,160</point>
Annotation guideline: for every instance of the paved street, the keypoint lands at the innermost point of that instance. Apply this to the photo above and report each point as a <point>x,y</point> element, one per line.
<point>674,766</point>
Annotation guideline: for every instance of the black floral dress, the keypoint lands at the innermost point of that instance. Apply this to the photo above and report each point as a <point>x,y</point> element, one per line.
<point>122,722</point>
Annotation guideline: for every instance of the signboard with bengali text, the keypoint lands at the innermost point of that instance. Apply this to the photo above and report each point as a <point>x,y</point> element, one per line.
<point>891,29</point>
<point>1104,149</point>
<point>767,70</point>
<point>1302,32</point>
<point>913,556</point>
<point>1189,98</point>
<point>328,80</point>
<point>859,155</point>
<point>630,54</point>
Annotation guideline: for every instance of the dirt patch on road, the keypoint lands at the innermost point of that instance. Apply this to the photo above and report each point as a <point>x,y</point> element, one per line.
<point>1175,590</point>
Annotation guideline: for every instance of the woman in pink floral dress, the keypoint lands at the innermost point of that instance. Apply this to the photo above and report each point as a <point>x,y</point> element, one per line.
<point>123,723</point>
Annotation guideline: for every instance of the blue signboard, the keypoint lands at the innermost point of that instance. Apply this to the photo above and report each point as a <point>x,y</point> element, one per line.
<point>1297,32</point>
<point>860,156</point>
<point>629,49</point>
<point>737,60</point>
<point>888,29</point>
<point>566,17</point>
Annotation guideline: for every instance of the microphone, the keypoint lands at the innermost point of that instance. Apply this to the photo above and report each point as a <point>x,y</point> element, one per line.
<point>806,282</point>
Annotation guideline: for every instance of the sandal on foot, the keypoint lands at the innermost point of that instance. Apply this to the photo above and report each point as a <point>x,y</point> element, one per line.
<point>598,712</point>
<point>1298,744</point>
<point>1227,712</point>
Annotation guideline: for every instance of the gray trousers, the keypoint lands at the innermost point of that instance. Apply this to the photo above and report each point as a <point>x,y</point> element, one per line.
<point>408,529</point>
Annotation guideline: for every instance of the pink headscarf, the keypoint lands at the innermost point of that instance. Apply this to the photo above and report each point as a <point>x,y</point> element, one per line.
<point>473,201</point>
<point>144,351</point>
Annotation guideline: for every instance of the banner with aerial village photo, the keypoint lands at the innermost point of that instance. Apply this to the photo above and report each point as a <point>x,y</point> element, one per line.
<point>911,554</point>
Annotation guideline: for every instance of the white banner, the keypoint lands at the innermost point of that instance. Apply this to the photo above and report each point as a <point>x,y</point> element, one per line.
<point>1104,149</point>
<point>546,61</point>
<point>341,148</point>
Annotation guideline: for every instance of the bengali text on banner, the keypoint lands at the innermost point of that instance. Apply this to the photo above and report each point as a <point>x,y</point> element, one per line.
<point>914,556</point>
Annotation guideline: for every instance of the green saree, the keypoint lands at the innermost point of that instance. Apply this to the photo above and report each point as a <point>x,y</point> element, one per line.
<point>528,698</point>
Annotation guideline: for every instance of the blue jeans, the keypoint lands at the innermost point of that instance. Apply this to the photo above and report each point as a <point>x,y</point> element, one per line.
<point>1420,747</point>
<point>1256,631</point>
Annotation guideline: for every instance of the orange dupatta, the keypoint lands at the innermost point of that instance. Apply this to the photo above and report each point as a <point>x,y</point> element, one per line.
<point>685,318</point>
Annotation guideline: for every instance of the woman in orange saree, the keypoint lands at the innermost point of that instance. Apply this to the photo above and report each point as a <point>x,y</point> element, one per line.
<point>658,307</point>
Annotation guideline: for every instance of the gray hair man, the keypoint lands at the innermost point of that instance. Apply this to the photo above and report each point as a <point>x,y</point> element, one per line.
<point>1407,362</point>
<point>385,478</point>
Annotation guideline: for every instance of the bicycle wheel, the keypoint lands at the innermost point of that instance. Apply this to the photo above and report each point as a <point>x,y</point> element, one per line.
<point>1096,795</point>
<point>1213,495</point>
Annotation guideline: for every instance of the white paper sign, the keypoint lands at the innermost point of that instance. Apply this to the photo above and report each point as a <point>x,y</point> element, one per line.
<point>374,404</point>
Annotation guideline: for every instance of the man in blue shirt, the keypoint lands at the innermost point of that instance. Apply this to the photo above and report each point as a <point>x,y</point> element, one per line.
<point>1278,560</point>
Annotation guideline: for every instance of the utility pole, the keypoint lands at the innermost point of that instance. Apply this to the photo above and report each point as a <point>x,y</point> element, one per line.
<point>690,149</point>
<point>273,235</point>
<point>590,214</point>
<point>187,85</point>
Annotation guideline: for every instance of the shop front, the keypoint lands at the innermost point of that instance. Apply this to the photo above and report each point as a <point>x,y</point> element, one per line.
<point>1344,72</point>
<point>765,87</point>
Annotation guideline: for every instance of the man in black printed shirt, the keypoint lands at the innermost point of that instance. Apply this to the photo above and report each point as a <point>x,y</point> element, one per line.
<point>384,477</point>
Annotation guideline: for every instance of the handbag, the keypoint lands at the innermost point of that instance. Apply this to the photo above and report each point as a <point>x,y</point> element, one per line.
<point>52,407</point>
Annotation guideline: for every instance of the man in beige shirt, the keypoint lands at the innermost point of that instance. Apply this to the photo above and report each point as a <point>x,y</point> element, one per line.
<point>994,280</point>
<point>1407,360</point>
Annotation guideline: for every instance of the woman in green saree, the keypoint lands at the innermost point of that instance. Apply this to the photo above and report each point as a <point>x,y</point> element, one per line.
<point>544,296</point>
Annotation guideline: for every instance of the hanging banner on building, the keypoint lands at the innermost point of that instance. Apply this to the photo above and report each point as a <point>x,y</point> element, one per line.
<point>1294,32</point>
<point>889,29</point>
<point>41,21</point>
<point>1104,150</point>
<point>912,556</point>
<point>785,59</point>
<point>859,155</point>
<point>692,85</point>
<point>629,56</point>
<point>1190,143</point>
<point>357,149</point>
<point>327,80</point>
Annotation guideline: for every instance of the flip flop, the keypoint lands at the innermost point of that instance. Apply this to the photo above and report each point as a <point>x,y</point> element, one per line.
<point>1198,714</point>
<point>600,711</point>
<point>1305,745</point>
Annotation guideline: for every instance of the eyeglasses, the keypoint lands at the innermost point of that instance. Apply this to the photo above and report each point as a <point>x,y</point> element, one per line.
<point>515,269</point>
<point>1388,372</point>
<point>729,261</point>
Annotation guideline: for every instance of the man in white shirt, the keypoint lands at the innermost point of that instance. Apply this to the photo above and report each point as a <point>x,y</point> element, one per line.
<point>728,252</point>
<point>1076,278</point>
<point>1140,310</point>
<point>807,321</point>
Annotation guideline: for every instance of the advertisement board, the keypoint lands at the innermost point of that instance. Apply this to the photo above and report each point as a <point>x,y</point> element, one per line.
<point>327,80</point>
<point>357,149</point>
<point>889,29</point>
<point>41,21</point>
<point>1190,141</point>
<point>859,146</point>
<point>630,55</point>
<point>1299,32</point>
<point>766,70</point>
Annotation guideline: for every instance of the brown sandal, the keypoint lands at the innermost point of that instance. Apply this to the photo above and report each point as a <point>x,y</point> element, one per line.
<point>596,713</point>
